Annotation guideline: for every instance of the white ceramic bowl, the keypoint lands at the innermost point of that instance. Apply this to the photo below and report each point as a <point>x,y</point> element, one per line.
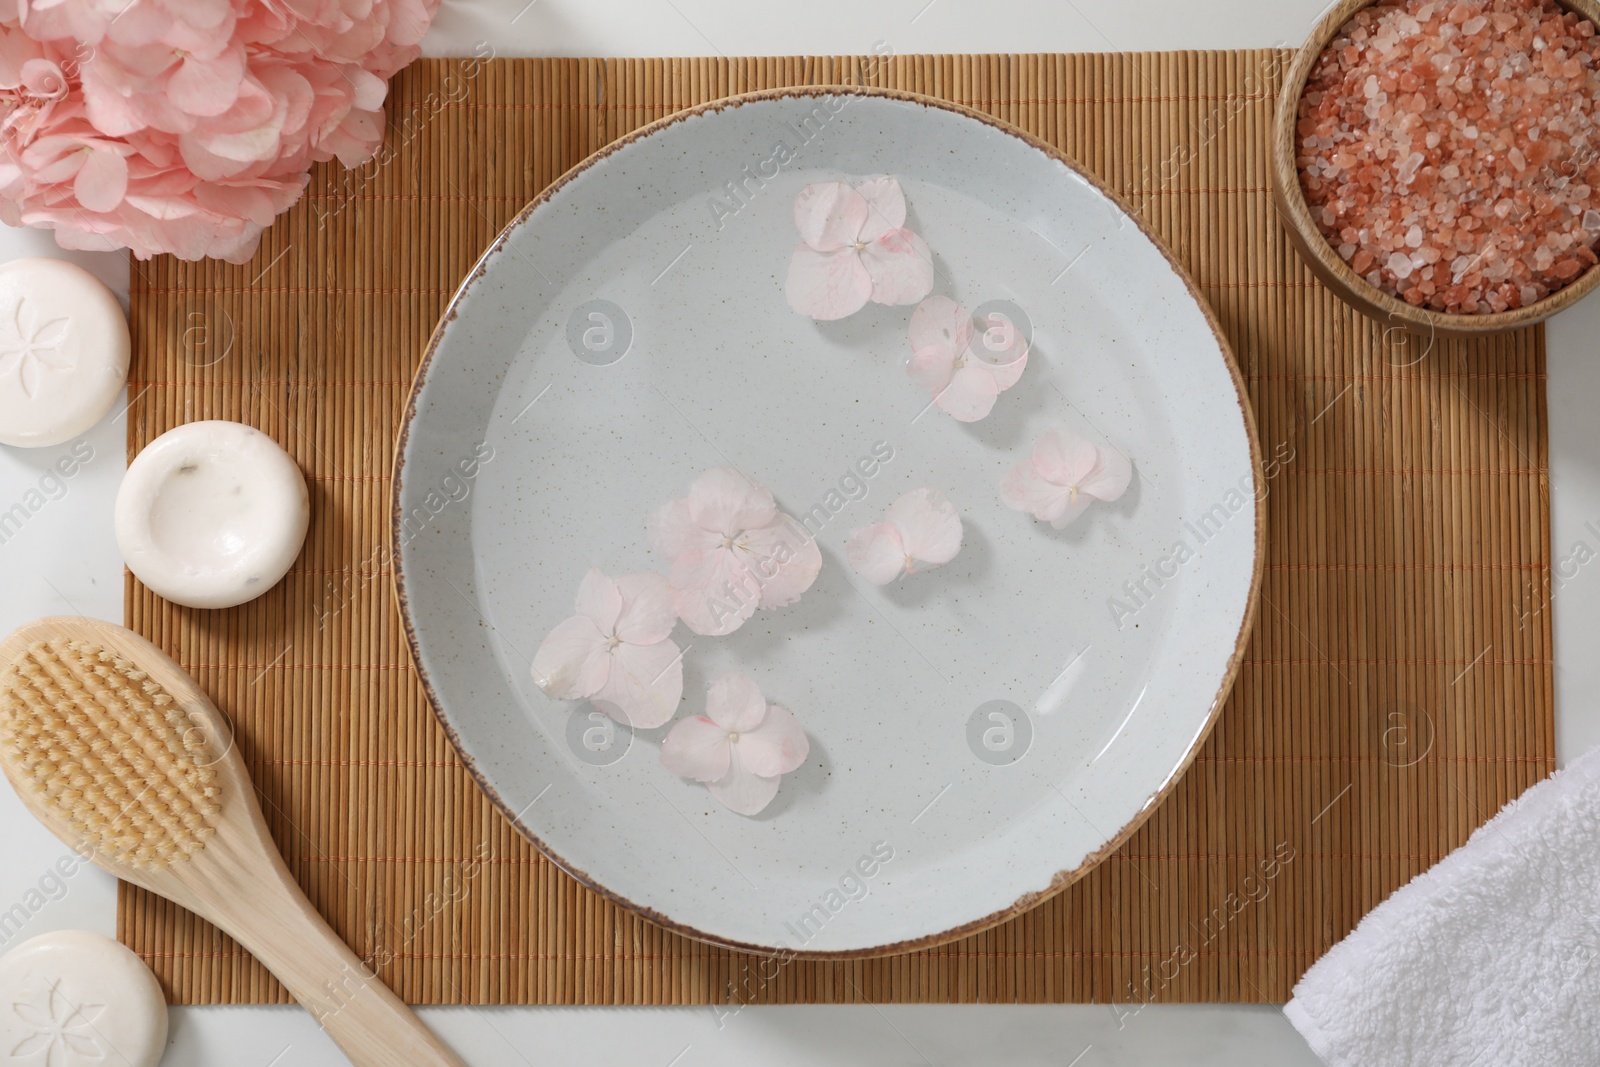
<point>545,427</point>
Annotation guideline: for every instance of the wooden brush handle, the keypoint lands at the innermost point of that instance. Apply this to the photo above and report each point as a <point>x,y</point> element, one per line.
<point>237,877</point>
<point>369,1023</point>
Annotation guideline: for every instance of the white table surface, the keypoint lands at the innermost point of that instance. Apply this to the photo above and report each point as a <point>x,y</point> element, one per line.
<point>65,560</point>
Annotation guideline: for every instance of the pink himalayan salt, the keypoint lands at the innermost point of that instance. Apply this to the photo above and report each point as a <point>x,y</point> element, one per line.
<point>1449,150</point>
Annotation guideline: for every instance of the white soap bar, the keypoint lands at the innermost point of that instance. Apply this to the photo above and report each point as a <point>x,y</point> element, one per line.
<point>74,998</point>
<point>63,352</point>
<point>212,514</point>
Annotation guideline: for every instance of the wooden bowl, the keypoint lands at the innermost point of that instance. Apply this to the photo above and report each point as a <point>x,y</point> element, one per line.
<point>1325,259</point>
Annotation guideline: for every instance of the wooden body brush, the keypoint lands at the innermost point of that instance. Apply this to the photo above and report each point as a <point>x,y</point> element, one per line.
<point>115,749</point>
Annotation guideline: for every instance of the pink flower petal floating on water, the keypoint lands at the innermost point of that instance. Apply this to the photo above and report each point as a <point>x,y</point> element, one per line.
<point>740,748</point>
<point>965,371</point>
<point>616,652</point>
<point>1065,473</point>
<point>730,550</point>
<point>920,531</point>
<point>854,247</point>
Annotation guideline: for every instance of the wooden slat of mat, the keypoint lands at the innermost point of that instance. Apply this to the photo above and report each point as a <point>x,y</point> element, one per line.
<point>1396,693</point>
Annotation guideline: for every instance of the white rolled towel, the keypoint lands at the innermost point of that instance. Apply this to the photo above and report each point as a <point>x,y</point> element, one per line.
<point>1489,959</point>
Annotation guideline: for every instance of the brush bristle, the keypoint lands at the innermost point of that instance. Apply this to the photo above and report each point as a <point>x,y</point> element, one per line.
<point>111,750</point>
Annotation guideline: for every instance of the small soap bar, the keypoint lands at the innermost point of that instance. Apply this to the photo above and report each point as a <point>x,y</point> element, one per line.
<point>74,997</point>
<point>212,514</point>
<point>63,352</point>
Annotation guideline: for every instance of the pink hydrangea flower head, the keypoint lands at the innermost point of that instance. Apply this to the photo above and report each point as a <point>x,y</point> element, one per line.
<point>854,248</point>
<point>920,531</point>
<point>616,652</point>
<point>740,748</point>
<point>963,369</point>
<point>730,550</point>
<point>1063,475</point>
<point>186,126</point>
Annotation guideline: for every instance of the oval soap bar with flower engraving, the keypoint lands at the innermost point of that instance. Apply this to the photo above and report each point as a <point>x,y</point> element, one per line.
<point>63,352</point>
<point>76,999</point>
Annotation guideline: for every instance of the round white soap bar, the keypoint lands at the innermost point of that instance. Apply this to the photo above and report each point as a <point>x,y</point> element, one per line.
<point>74,998</point>
<point>212,514</point>
<point>63,351</point>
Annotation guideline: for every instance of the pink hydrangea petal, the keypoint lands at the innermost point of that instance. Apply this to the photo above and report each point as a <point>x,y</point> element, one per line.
<point>1050,483</point>
<point>206,17</point>
<point>41,76</point>
<point>720,606</point>
<point>647,615</point>
<point>644,686</point>
<point>929,525</point>
<point>712,614</point>
<point>775,747</point>
<point>1005,375</point>
<point>163,207</point>
<point>674,532</point>
<point>970,395</point>
<point>709,568</point>
<point>876,553</point>
<point>901,267</point>
<point>1111,476</point>
<point>997,341</point>
<point>827,285</point>
<point>55,159</point>
<point>201,26</point>
<point>293,90</point>
<point>215,158</point>
<point>600,600</point>
<point>370,90</point>
<point>140,26</point>
<point>734,702</point>
<point>741,790</point>
<point>572,662</point>
<point>207,87</point>
<point>131,65</point>
<point>124,90</point>
<point>102,181</point>
<point>1024,490</point>
<point>111,113</point>
<point>830,215</point>
<point>245,199</point>
<point>357,138</point>
<point>729,501</point>
<point>1001,348</point>
<point>786,559</point>
<point>1064,456</point>
<point>17,49</point>
<point>69,238</point>
<point>50,21</point>
<point>408,24</point>
<point>941,323</point>
<point>932,368</point>
<point>1066,510</point>
<point>697,748</point>
<point>220,243</point>
<point>887,207</point>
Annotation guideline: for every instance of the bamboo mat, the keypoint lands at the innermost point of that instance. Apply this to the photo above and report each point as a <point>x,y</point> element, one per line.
<point>1396,693</point>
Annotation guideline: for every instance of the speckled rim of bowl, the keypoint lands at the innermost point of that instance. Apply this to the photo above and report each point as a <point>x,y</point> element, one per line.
<point>1062,879</point>
<point>1325,260</point>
